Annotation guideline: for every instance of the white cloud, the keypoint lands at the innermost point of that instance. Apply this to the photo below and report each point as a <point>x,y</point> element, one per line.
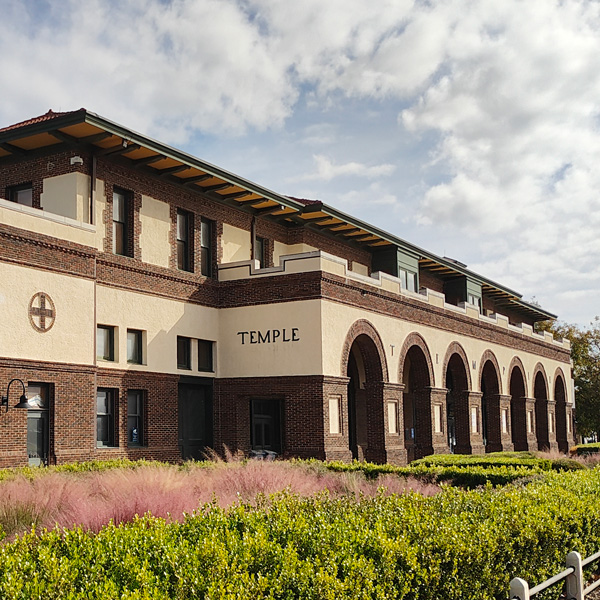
<point>508,91</point>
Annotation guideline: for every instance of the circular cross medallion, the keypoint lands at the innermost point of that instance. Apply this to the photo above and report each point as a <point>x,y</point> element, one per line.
<point>41,312</point>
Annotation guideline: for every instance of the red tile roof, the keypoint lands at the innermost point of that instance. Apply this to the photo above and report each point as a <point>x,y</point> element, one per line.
<point>305,201</point>
<point>47,117</point>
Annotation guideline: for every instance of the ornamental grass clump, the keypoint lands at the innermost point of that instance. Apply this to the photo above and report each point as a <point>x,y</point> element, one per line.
<point>93,498</point>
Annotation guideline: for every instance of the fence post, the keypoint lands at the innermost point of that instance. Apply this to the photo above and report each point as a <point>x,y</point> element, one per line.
<point>574,582</point>
<point>519,588</point>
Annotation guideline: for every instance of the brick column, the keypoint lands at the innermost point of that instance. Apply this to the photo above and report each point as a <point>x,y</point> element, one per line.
<point>506,444</point>
<point>439,439</point>
<point>474,438</point>
<point>551,408</point>
<point>530,424</point>
<point>395,450</point>
<point>335,393</point>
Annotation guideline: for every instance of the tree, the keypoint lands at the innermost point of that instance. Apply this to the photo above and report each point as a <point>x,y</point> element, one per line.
<point>585,353</point>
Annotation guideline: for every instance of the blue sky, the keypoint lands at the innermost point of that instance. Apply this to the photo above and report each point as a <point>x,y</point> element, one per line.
<point>468,127</point>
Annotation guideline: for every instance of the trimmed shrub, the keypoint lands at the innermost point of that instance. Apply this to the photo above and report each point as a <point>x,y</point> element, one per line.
<point>454,545</point>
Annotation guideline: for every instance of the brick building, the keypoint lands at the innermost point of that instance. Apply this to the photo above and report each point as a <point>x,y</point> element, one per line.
<point>154,304</point>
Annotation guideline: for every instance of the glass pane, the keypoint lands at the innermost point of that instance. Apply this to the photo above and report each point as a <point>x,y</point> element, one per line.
<point>119,203</point>
<point>119,240</point>
<point>183,353</point>
<point>205,234</point>
<point>182,227</point>
<point>134,346</point>
<point>182,256</point>
<point>206,261</point>
<point>24,196</point>
<point>205,358</point>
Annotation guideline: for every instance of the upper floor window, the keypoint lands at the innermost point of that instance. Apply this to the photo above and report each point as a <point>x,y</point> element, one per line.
<point>409,280</point>
<point>121,241</point>
<point>134,346</point>
<point>21,194</point>
<point>105,342</point>
<point>184,262</point>
<point>205,355</point>
<point>259,251</point>
<point>184,352</point>
<point>206,245</point>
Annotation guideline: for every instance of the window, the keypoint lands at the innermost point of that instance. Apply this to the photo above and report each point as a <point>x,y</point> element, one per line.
<point>259,251</point>
<point>134,346</point>
<point>475,301</point>
<point>437,419</point>
<point>392,408</point>
<point>105,418</point>
<point>121,200</point>
<point>205,355</point>
<point>105,342</point>
<point>266,425</point>
<point>408,280</point>
<point>335,414</point>
<point>184,353</point>
<point>21,194</point>
<point>206,235</point>
<point>529,421</point>
<point>135,418</point>
<point>38,430</point>
<point>184,262</point>
<point>474,419</point>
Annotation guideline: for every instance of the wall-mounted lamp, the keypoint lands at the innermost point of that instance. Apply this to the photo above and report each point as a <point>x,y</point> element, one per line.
<point>23,401</point>
<point>76,160</point>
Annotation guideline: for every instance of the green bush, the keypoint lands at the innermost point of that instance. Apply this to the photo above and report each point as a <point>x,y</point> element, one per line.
<point>454,545</point>
<point>583,449</point>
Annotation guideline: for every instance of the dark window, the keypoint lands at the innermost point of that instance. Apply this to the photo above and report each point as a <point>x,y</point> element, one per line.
<point>266,425</point>
<point>206,243</point>
<point>259,251</point>
<point>184,353</point>
<point>205,355</point>
<point>135,418</point>
<point>134,346</point>
<point>105,418</point>
<point>184,261</point>
<point>105,342</point>
<point>21,194</point>
<point>121,200</point>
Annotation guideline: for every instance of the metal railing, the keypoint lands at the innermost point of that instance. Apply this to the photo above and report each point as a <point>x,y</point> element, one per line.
<point>572,575</point>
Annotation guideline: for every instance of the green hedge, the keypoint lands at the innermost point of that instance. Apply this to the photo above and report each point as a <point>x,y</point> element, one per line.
<point>583,449</point>
<point>455,545</point>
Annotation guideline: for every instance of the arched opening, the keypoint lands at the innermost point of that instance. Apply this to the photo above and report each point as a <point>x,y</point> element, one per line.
<point>560,398</point>
<point>457,406</point>
<point>518,413</point>
<point>490,408</point>
<point>542,429</point>
<point>365,400</point>
<point>416,410</point>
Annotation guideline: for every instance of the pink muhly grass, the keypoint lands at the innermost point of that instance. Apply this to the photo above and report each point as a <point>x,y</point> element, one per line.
<point>93,499</point>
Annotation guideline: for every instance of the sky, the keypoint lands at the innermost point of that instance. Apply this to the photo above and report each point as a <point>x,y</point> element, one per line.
<point>470,128</point>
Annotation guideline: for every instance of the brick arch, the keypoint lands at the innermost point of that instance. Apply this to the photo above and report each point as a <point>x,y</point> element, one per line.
<point>375,362</point>
<point>456,348</point>
<point>415,339</point>
<point>518,363</point>
<point>539,368</point>
<point>488,355</point>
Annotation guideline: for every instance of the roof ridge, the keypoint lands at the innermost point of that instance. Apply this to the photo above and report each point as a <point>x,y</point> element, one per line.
<point>40,119</point>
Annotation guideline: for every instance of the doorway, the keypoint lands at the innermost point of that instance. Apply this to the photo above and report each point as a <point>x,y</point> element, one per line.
<point>195,419</point>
